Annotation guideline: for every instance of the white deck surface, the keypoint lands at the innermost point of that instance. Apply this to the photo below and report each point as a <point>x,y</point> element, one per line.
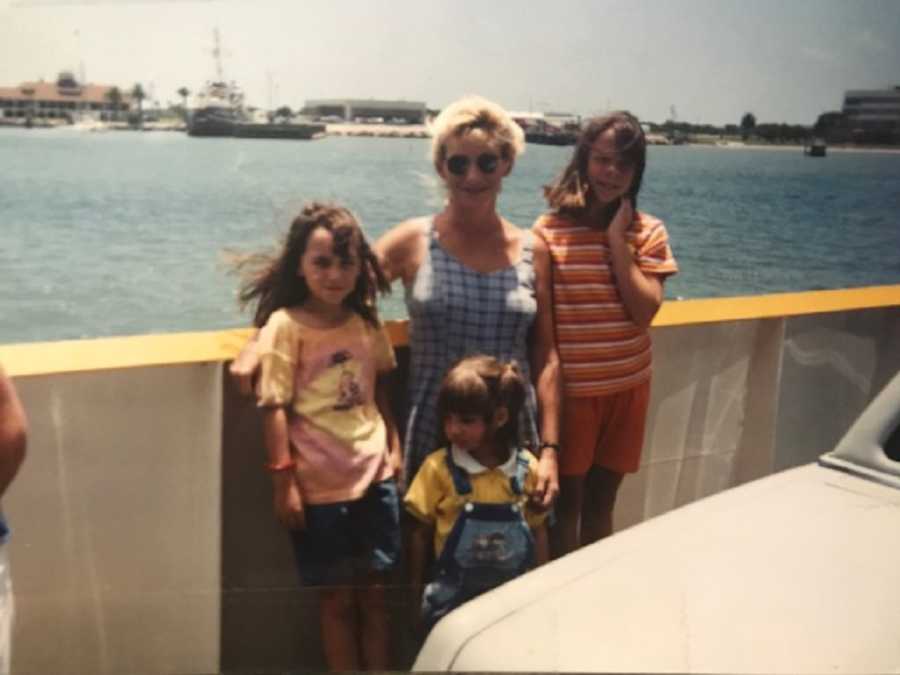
<point>796,573</point>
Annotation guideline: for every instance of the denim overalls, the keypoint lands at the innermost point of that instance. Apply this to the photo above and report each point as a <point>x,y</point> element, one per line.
<point>488,545</point>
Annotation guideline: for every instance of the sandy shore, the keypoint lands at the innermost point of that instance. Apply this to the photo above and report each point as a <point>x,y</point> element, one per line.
<point>381,130</point>
<point>732,145</point>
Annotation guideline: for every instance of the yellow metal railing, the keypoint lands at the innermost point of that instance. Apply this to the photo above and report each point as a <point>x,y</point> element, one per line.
<point>42,358</point>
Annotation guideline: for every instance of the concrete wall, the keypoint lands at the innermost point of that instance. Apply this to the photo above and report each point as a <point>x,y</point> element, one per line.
<point>143,538</point>
<point>116,522</point>
<point>737,400</point>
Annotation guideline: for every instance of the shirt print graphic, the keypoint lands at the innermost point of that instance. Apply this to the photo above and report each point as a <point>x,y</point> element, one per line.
<point>490,548</point>
<point>349,391</point>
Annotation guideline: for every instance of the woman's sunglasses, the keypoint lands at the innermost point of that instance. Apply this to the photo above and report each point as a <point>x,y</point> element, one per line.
<point>486,162</point>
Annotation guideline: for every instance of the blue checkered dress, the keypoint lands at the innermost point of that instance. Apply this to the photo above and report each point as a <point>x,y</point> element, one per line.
<point>455,311</point>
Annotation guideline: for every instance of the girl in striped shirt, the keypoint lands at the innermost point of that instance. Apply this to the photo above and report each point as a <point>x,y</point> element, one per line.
<point>609,264</point>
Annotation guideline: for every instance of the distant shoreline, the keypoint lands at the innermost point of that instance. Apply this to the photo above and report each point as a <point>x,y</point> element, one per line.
<point>421,131</point>
<point>378,130</point>
<point>797,148</point>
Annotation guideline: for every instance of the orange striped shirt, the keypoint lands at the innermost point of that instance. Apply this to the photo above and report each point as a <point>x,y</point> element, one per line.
<point>602,350</point>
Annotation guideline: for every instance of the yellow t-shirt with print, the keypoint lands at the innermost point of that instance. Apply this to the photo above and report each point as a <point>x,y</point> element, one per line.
<point>326,378</point>
<point>432,497</point>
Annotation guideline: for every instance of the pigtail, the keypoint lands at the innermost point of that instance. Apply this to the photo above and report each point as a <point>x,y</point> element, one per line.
<point>512,388</point>
<point>511,394</point>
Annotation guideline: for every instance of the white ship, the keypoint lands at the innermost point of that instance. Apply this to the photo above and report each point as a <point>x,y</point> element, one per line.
<point>219,106</point>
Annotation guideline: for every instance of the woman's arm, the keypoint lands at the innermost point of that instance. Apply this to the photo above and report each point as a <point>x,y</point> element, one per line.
<point>395,451</point>
<point>288,501</point>
<point>641,293</point>
<point>13,432</point>
<point>399,250</point>
<point>547,374</point>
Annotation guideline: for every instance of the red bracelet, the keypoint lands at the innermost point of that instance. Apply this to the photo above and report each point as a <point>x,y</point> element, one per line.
<point>284,466</point>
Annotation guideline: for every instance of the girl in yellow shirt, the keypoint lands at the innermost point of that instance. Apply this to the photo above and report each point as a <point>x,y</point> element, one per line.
<point>471,498</point>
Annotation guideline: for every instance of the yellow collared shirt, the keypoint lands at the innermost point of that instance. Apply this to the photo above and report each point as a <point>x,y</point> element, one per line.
<point>432,497</point>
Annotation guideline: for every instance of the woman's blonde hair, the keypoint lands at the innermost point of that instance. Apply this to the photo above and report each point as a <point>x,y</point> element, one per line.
<point>468,114</point>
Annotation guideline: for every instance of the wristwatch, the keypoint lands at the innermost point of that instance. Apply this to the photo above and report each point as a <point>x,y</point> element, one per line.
<point>548,444</point>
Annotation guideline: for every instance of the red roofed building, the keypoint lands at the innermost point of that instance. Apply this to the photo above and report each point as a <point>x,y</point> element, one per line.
<point>65,98</point>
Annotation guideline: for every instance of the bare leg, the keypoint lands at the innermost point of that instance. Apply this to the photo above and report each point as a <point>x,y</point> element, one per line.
<point>376,635</point>
<point>564,533</point>
<point>337,610</point>
<point>602,486</point>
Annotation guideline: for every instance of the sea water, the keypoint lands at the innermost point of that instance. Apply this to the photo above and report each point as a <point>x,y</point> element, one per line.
<point>122,233</point>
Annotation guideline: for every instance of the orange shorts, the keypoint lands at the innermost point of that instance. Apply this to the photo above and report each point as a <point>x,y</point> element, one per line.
<point>606,431</point>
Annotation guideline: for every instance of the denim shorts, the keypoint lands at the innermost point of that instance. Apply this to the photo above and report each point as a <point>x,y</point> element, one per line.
<point>345,540</point>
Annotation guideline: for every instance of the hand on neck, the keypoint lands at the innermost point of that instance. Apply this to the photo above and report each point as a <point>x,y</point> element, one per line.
<point>600,215</point>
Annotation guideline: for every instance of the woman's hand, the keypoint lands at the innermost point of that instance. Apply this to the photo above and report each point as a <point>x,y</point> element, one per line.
<point>288,501</point>
<point>245,368</point>
<point>547,487</point>
<point>547,372</point>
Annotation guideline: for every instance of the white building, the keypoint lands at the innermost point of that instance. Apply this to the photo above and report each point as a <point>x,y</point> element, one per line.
<point>873,110</point>
<point>65,98</point>
<point>370,110</point>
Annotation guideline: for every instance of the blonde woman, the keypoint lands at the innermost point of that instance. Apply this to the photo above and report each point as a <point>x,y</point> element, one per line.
<point>476,283</point>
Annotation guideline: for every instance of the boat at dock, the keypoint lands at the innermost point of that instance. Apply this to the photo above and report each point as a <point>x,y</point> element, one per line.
<point>220,112</point>
<point>219,106</point>
<point>816,148</point>
<point>549,128</point>
<point>551,136</point>
<point>219,109</point>
<point>287,130</point>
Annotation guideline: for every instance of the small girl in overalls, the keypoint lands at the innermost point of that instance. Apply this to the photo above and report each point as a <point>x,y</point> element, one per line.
<point>471,498</point>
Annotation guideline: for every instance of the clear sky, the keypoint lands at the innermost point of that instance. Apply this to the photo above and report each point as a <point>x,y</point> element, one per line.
<point>710,60</point>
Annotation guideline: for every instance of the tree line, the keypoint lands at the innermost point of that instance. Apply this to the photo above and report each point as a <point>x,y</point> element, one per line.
<point>832,126</point>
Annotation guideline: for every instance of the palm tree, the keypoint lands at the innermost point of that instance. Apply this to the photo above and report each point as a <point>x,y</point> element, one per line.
<point>114,94</point>
<point>137,93</point>
<point>184,92</point>
<point>748,124</point>
<point>284,112</point>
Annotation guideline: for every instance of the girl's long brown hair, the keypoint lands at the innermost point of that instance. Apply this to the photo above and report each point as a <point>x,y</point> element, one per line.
<point>271,280</point>
<point>570,192</point>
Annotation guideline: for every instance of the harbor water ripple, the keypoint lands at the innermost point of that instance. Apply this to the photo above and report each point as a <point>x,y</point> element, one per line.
<point>122,233</point>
